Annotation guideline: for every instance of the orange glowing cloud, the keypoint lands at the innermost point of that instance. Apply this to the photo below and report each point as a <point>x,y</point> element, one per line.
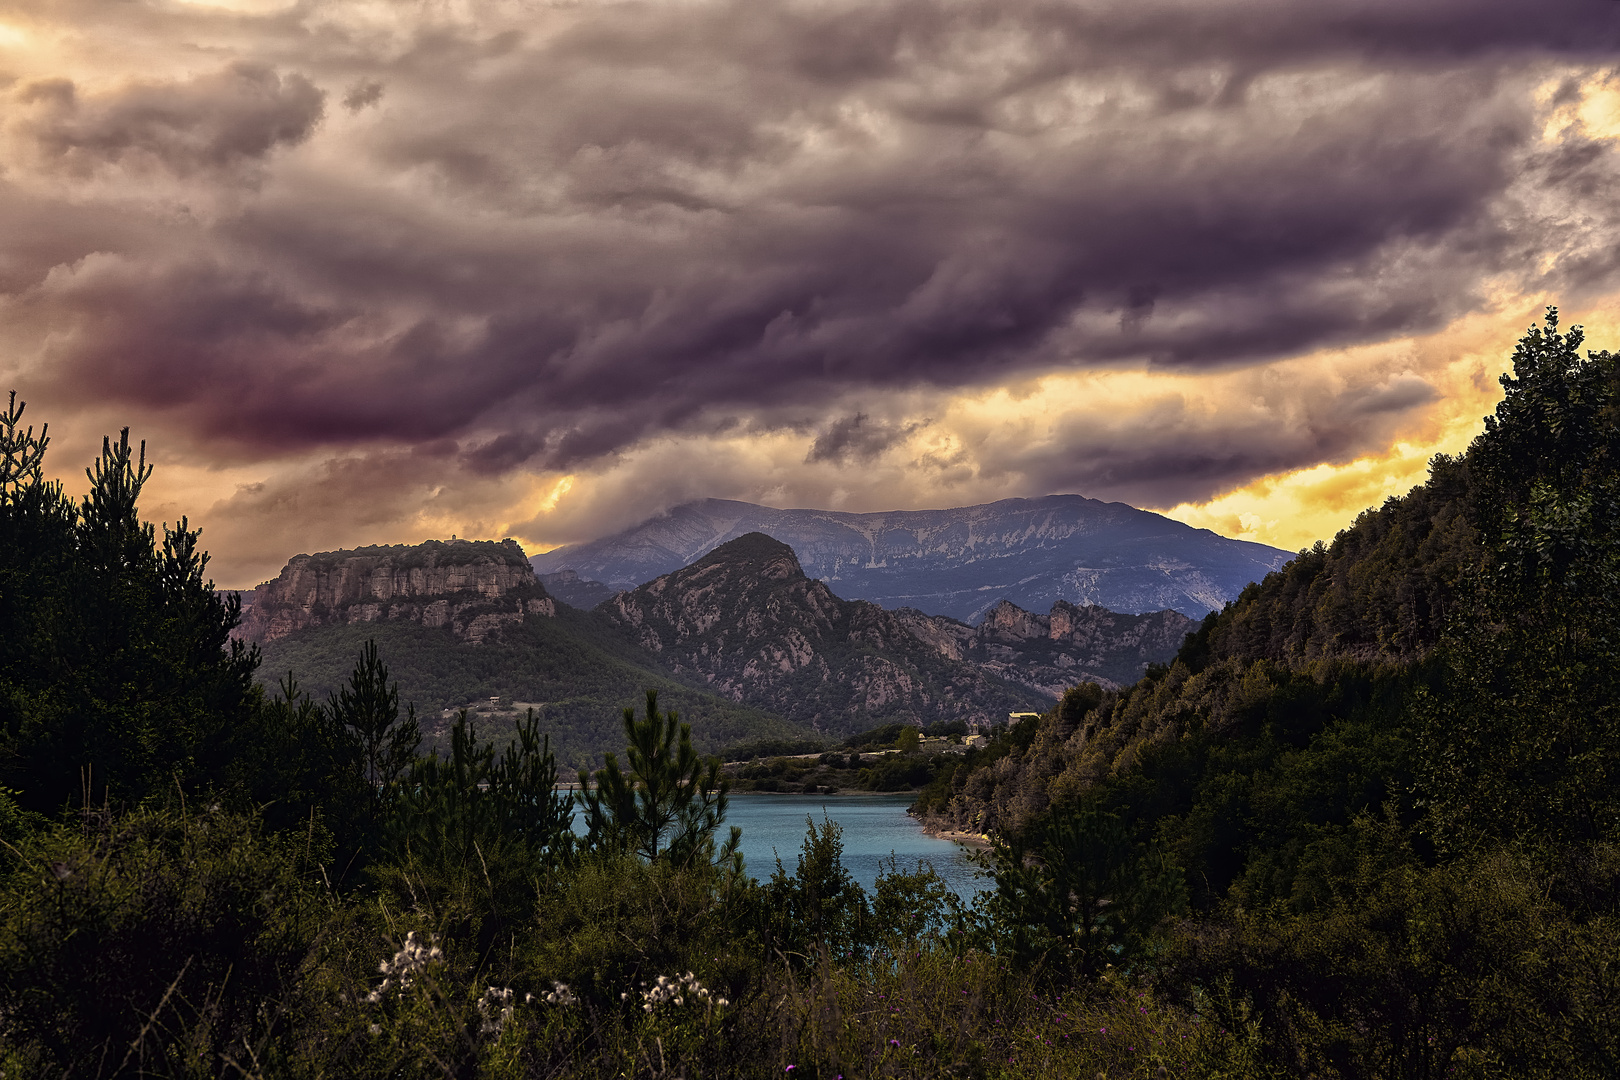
<point>1294,509</point>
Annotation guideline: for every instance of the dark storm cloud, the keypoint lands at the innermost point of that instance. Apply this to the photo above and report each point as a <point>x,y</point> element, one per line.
<point>856,439</point>
<point>212,121</point>
<point>565,230</point>
<point>363,93</point>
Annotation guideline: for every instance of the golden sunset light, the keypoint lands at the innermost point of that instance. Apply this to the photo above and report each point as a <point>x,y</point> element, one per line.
<point>365,273</point>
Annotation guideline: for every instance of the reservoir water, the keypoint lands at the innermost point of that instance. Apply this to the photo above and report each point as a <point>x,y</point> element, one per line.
<point>874,828</point>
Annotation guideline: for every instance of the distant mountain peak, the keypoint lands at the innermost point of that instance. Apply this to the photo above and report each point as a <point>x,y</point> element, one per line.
<point>752,626</point>
<point>958,562</point>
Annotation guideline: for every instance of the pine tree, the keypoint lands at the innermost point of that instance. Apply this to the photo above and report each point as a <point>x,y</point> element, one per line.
<point>671,802</point>
<point>118,671</point>
<point>368,708</point>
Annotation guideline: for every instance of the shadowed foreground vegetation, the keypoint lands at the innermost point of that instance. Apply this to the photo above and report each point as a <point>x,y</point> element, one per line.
<point>1365,825</point>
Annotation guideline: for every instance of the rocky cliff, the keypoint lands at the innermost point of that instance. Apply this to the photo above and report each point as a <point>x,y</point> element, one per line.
<point>1053,652</point>
<point>747,620</point>
<point>574,590</point>
<point>472,587</point>
<point>959,562</point>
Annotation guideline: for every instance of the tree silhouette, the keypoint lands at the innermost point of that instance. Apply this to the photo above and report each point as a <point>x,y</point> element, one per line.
<point>369,709</point>
<point>671,802</point>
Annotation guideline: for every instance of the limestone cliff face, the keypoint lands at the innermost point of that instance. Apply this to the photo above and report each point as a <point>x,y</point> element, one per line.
<point>1055,651</point>
<point>472,587</point>
<point>748,622</point>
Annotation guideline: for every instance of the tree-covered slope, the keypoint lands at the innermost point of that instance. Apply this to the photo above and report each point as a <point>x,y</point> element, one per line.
<point>1315,641</point>
<point>1385,781</point>
<point>578,675</point>
<point>1445,657</point>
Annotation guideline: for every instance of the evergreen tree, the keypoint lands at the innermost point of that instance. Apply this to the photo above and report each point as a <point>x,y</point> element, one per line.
<point>671,802</point>
<point>1082,896</point>
<point>368,709</point>
<point>295,761</point>
<point>821,909</point>
<point>118,671</point>
<point>472,823</point>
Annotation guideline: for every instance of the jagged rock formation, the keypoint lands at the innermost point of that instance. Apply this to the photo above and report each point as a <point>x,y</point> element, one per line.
<point>747,620</point>
<point>575,591</point>
<point>472,587</point>
<point>959,562</point>
<point>1053,652</point>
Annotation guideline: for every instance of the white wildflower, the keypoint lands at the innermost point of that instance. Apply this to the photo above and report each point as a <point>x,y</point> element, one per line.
<point>494,1010</point>
<point>411,960</point>
<point>675,991</point>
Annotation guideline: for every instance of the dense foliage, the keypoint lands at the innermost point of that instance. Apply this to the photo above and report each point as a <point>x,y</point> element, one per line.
<point>1365,825</point>
<point>117,671</point>
<point>1388,772</point>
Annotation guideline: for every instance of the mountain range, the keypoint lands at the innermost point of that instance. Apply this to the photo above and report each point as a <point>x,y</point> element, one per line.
<point>959,562</point>
<point>1050,653</point>
<point>748,623</point>
<point>743,640</point>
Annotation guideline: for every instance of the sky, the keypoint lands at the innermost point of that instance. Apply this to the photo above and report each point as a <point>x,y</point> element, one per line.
<point>380,271</point>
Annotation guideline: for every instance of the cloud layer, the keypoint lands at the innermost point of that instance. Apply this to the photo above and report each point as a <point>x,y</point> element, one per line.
<point>782,250</point>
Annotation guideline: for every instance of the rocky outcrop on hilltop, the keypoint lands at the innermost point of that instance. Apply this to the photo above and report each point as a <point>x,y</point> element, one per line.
<point>1053,652</point>
<point>472,587</point>
<point>749,623</point>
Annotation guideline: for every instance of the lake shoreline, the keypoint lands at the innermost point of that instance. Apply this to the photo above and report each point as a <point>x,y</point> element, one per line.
<point>976,841</point>
<point>838,794</point>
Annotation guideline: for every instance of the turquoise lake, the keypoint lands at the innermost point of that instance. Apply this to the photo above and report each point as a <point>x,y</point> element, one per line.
<point>874,826</point>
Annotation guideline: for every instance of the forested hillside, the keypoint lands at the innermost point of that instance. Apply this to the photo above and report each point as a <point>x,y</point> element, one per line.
<point>571,668</point>
<point>1388,775</point>
<point>1338,626</point>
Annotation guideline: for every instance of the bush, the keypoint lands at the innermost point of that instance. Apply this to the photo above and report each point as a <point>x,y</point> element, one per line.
<point>161,941</point>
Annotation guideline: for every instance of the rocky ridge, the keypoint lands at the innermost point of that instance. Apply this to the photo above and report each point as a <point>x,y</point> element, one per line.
<point>748,621</point>
<point>1053,652</point>
<point>472,587</point>
<point>959,562</point>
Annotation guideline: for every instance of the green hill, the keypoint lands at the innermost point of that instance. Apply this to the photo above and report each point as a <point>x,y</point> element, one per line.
<point>576,673</point>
